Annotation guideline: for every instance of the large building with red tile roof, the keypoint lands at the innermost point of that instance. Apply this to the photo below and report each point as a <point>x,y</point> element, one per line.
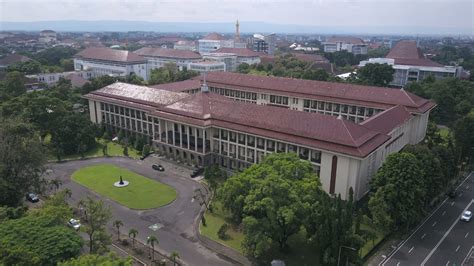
<point>411,65</point>
<point>106,61</point>
<point>158,57</point>
<point>234,123</point>
<point>349,44</point>
<point>212,42</point>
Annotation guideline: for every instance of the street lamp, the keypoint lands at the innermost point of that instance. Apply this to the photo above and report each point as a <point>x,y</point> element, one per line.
<point>339,256</point>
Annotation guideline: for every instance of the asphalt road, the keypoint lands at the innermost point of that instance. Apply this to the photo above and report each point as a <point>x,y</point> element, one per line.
<point>442,239</point>
<point>175,221</point>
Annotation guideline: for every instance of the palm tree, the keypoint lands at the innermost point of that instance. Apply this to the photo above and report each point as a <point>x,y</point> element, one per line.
<point>151,241</point>
<point>68,192</point>
<point>174,255</point>
<point>117,224</point>
<point>133,234</point>
<point>54,184</point>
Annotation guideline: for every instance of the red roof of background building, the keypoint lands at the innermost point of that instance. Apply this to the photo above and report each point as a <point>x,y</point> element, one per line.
<point>407,53</point>
<point>13,59</point>
<point>107,54</point>
<point>352,40</point>
<point>375,97</point>
<point>240,52</point>
<point>214,37</point>
<point>168,53</point>
<point>205,109</point>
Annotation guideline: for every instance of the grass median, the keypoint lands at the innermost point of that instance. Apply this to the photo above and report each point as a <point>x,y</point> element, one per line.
<point>142,193</point>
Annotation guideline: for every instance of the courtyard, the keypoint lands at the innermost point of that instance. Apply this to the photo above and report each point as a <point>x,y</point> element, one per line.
<point>141,193</point>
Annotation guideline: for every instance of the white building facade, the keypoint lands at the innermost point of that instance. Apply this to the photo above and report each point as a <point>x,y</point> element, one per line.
<point>106,61</point>
<point>237,133</point>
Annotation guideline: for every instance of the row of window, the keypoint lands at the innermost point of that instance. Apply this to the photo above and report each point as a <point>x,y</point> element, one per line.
<point>115,109</point>
<point>252,143</point>
<point>235,93</point>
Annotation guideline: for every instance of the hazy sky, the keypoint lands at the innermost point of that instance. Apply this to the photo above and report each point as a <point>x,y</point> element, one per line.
<point>420,13</point>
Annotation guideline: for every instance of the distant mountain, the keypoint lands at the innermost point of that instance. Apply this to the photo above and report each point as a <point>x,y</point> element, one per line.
<point>245,27</point>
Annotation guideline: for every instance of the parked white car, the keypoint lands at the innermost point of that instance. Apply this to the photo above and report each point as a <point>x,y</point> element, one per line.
<point>466,216</point>
<point>74,224</point>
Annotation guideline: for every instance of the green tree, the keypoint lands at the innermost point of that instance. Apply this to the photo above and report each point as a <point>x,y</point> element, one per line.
<point>266,198</point>
<point>21,162</point>
<point>14,84</point>
<point>117,224</point>
<point>96,215</point>
<point>151,240</point>
<point>174,256</point>
<point>402,186</point>
<point>376,74</point>
<point>75,135</point>
<point>54,184</point>
<point>37,240</point>
<point>132,233</point>
<point>464,135</point>
<point>431,167</point>
<point>243,68</point>
<point>28,67</point>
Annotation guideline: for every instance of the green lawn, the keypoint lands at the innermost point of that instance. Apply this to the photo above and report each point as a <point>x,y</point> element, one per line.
<point>214,221</point>
<point>141,193</point>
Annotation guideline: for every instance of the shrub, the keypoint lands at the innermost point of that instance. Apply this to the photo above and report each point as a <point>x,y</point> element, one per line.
<point>222,233</point>
<point>203,220</point>
<point>124,242</point>
<point>138,251</point>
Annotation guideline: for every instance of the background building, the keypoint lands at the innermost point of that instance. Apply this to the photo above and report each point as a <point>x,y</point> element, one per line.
<point>265,44</point>
<point>158,57</point>
<point>213,42</point>
<point>410,65</point>
<point>349,44</point>
<point>106,61</point>
<point>47,36</point>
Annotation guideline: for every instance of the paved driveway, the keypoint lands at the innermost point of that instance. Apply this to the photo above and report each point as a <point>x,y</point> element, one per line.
<point>442,239</point>
<point>175,221</point>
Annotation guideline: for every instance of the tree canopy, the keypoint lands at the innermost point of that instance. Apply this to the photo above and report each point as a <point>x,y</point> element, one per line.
<point>375,74</point>
<point>21,161</point>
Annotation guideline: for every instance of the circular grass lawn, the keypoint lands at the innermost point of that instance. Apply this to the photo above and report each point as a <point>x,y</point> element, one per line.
<point>141,193</point>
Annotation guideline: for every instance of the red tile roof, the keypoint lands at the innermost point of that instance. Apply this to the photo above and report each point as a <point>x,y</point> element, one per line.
<point>13,59</point>
<point>179,86</point>
<point>76,80</point>
<point>214,37</point>
<point>407,53</point>
<point>240,52</point>
<point>352,40</point>
<point>387,120</point>
<point>206,109</point>
<point>376,97</point>
<point>107,54</point>
<point>168,53</point>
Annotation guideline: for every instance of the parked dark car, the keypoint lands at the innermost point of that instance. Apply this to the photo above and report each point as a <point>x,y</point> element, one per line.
<point>158,167</point>
<point>197,172</point>
<point>32,197</point>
